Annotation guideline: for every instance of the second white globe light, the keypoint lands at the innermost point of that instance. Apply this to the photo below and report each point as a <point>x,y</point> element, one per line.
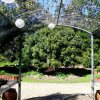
<point>19,23</point>
<point>51,25</point>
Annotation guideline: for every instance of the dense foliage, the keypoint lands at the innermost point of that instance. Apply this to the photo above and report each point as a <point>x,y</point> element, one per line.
<point>61,46</point>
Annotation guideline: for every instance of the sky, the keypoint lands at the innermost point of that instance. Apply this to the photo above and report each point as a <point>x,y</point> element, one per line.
<point>52,5</point>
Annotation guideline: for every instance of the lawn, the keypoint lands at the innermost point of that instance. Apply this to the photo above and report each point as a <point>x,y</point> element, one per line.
<point>86,78</point>
<point>67,75</point>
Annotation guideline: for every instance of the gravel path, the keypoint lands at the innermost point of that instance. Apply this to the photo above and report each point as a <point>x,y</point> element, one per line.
<point>32,90</point>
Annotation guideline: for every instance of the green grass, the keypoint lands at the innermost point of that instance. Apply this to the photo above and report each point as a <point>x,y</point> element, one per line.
<point>60,78</point>
<point>97,76</point>
<point>26,79</point>
<point>86,78</point>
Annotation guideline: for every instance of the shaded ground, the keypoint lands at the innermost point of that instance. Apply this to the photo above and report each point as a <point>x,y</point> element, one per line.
<point>75,71</point>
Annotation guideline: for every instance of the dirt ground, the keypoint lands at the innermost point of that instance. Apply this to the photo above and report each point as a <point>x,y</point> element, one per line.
<point>56,91</point>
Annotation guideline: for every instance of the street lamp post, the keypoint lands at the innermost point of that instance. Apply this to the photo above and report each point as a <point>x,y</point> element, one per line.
<point>20,24</point>
<point>92,68</point>
<point>51,25</point>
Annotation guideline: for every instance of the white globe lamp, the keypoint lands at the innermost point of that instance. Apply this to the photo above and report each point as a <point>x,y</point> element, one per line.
<point>51,25</point>
<point>8,1</point>
<point>19,23</point>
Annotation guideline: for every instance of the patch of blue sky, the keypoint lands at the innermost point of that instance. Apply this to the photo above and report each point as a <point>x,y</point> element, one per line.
<point>85,11</point>
<point>51,5</point>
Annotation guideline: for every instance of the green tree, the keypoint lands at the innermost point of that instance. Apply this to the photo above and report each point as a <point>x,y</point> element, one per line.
<point>61,45</point>
<point>26,51</point>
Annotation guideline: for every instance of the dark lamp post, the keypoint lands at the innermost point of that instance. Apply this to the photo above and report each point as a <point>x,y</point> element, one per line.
<point>20,24</point>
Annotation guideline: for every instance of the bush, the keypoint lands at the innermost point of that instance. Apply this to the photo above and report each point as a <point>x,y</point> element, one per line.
<point>36,63</point>
<point>33,73</point>
<point>61,75</point>
<point>98,68</point>
<point>2,58</point>
<point>44,65</point>
<point>2,72</point>
<point>86,59</point>
<point>55,63</point>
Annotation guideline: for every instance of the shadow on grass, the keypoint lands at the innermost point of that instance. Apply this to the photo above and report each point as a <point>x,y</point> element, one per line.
<point>11,69</point>
<point>14,69</point>
<point>75,71</point>
<point>62,97</point>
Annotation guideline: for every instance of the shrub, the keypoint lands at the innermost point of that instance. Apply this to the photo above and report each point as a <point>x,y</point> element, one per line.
<point>86,59</point>
<point>2,72</point>
<point>61,75</point>
<point>2,58</point>
<point>98,68</point>
<point>55,63</point>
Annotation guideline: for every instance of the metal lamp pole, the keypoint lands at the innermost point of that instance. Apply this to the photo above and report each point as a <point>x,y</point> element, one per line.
<point>92,68</point>
<point>51,25</point>
<point>20,63</point>
<point>20,24</point>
